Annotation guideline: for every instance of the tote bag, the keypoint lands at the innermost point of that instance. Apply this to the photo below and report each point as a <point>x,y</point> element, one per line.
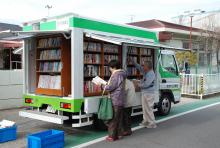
<point>105,111</point>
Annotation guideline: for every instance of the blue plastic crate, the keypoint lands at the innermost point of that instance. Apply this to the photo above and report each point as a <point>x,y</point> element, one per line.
<point>8,134</point>
<point>46,139</point>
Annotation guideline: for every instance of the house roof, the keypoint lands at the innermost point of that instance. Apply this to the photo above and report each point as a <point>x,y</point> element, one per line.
<point>5,26</point>
<point>154,23</point>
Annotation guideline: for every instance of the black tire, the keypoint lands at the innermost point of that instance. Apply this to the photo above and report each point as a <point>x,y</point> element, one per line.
<point>99,124</point>
<point>164,105</point>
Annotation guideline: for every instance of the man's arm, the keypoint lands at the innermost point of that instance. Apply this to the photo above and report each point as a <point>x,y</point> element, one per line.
<point>138,67</point>
<point>148,81</point>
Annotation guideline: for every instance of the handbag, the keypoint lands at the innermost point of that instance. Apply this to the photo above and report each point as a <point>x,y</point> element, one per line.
<point>105,111</point>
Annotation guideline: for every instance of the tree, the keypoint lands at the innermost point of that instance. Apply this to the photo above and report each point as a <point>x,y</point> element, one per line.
<point>209,40</point>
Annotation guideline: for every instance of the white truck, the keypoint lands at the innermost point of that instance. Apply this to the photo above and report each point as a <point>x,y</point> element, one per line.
<point>62,54</point>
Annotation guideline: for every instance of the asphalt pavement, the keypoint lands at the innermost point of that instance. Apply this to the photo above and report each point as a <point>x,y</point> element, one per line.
<point>200,129</point>
<point>172,133</point>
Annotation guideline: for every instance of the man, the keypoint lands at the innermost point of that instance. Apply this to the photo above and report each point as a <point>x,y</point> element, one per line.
<point>147,86</point>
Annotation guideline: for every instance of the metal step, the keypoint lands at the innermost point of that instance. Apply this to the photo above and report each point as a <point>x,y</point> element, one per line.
<point>53,118</point>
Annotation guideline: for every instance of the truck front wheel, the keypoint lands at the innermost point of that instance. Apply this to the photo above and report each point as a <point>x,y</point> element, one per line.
<point>164,105</point>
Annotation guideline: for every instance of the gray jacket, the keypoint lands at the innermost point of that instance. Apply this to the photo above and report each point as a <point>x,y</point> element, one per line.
<point>147,84</point>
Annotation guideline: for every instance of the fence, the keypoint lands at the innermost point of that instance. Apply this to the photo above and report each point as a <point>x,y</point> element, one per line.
<point>200,84</point>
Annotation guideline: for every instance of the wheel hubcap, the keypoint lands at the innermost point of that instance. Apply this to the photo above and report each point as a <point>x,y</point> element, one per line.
<point>165,105</point>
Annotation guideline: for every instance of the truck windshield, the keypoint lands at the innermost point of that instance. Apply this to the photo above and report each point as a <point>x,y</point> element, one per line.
<point>168,62</point>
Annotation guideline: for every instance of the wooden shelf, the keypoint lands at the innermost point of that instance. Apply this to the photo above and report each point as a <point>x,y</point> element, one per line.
<point>47,91</point>
<point>102,63</point>
<point>131,54</point>
<point>65,73</point>
<point>111,53</point>
<point>130,65</point>
<point>146,56</point>
<point>59,72</point>
<point>48,59</point>
<point>92,52</point>
<point>55,47</point>
<point>92,63</point>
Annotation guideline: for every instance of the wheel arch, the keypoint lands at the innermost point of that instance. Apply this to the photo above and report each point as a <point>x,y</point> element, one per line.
<point>168,92</point>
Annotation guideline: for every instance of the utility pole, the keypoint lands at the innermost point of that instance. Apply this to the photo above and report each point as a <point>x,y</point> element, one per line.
<point>48,9</point>
<point>131,17</point>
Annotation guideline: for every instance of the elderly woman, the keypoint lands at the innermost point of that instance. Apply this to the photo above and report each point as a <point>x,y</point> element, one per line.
<point>116,88</point>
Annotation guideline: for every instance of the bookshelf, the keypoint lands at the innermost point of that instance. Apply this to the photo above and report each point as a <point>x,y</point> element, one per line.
<point>140,55</point>
<point>97,55</point>
<point>53,69</point>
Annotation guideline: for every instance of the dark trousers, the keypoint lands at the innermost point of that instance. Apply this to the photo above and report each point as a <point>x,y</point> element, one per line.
<point>114,125</point>
<point>126,123</point>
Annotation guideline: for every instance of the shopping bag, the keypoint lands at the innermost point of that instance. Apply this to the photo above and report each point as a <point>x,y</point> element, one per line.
<point>105,111</point>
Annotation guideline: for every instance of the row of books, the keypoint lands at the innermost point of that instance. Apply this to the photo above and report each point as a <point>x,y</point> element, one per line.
<point>110,48</point>
<point>50,54</point>
<point>131,71</point>
<point>145,51</point>
<point>131,59</point>
<point>107,71</point>
<point>50,42</point>
<point>50,82</point>
<point>132,50</point>
<point>50,66</point>
<point>108,58</point>
<point>91,70</point>
<point>92,58</point>
<point>91,46</point>
<point>144,59</point>
<point>90,87</point>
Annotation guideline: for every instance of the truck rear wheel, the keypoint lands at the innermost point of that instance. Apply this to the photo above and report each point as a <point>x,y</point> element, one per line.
<point>164,105</point>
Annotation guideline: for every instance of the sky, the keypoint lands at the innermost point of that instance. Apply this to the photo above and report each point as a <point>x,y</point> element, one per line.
<point>119,11</point>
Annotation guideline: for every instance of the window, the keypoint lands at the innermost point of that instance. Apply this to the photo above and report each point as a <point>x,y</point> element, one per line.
<point>168,62</point>
<point>9,60</point>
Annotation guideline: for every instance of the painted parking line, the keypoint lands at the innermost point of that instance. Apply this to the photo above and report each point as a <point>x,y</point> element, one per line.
<point>177,111</point>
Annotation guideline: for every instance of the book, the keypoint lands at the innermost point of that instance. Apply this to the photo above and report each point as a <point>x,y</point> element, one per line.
<point>97,80</point>
<point>108,58</point>
<point>131,71</point>
<point>109,48</point>
<point>50,82</point>
<point>132,50</point>
<point>107,71</point>
<point>90,87</point>
<point>50,66</point>
<point>49,42</point>
<point>91,46</point>
<point>144,59</point>
<point>92,58</point>
<point>91,70</point>
<point>50,54</point>
<point>132,58</point>
<point>145,51</point>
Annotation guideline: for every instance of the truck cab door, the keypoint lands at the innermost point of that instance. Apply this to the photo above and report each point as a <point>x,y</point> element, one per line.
<point>169,74</point>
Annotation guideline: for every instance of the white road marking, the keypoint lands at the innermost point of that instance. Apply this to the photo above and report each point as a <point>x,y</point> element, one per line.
<point>140,127</point>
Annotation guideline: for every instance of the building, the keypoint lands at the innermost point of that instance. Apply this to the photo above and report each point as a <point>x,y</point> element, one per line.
<point>11,73</point>
<point>179,36</point>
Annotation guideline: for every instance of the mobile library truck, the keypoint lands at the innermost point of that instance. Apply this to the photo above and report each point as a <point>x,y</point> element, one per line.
<point>63,54</point>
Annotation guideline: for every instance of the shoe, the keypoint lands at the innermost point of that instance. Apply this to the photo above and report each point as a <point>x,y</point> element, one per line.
<point>110,139</point>
<point>127,133</point>
<point>151,126</point>
<point>143,124</point>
